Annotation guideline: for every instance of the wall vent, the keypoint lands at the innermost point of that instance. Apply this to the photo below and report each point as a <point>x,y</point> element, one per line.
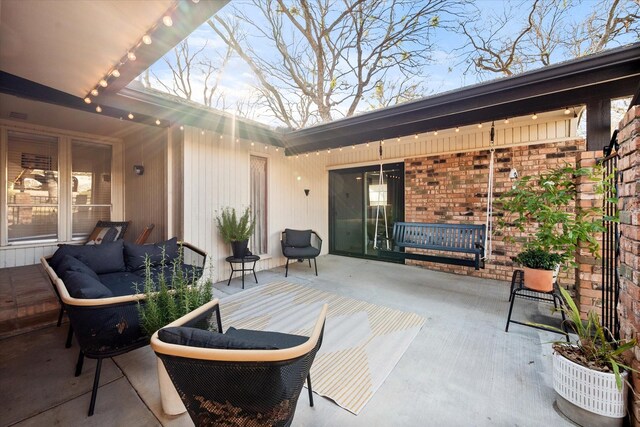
<point>18,116</point>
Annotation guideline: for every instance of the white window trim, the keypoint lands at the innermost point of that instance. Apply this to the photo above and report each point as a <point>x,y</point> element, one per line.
<point>267,157</point>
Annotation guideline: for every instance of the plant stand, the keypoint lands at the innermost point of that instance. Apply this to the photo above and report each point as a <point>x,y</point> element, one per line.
<point>588,397</point>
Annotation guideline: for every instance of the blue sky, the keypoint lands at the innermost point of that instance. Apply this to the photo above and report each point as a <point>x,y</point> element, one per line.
<point>444,73</point>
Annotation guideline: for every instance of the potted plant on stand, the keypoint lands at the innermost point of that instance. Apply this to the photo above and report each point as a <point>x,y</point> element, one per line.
<point>551,229</point>
<point>590,376</point>
<point>236,231</point>
<point>167,299</point>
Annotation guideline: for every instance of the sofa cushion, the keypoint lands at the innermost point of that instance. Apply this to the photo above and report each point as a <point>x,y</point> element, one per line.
<point>70,263</point>
<point>82,285</point>
<point>267,338</point>
<point>194,337</point>
<point>123,283</point>
<point>135,254</point>
<point>59,254</point>
<point>298,238</point>
<point>103,258</point>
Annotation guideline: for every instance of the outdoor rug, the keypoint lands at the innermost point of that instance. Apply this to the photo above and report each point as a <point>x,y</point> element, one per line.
<point>362,342</point>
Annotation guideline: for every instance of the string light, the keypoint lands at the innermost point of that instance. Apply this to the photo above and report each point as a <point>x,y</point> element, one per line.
<point>567,111</point>
<point>87,100</point>
<point>131,56</point>
<point>435,133</point>
<point>479,125</point>
<point>201,132</point>
<point>103,83</point>
<point>415,136</point>
<point>220,136</point>
<point>367,144</point>
<point>98,109</point>
<point>158,122</point>
<point>340,148</point>
<point>166,20</point>
<point>252,144</point>
<point>398,139</point>
<point>181,127</point>
<point>307,154</point>
<point>317,153</point>
<point>146,39</point>
<point>457,129</point>
<point>277,149</point>
<point>353,147</point>
<point>506,121</point>
<point>94,92</point>
<point>534,117</point>
<point>328,151</point>
<point>130,116</point>
<point>115,73</point>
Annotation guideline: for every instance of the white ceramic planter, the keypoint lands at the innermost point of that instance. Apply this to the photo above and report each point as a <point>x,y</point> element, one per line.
<point>171,402</point>
<point>594,394</point>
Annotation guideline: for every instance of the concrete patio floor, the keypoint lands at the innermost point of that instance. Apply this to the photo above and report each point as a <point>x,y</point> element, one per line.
<point>462,369</point>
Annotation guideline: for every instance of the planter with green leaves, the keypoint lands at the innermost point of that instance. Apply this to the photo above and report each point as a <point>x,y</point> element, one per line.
<point>236,230</point>
<point>540,208</point>
<point>539,268</point>
<point>590,375</point>
<point>168,299</point>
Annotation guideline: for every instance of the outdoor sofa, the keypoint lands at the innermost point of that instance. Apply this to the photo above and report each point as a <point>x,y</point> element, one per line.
<point>100,287</point>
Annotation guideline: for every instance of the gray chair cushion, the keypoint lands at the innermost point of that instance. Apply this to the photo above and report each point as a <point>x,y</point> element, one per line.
<point>308,252</point>
<point>135,254</point>
<point>298,238</point>
<point>194,337</point>
<point>81,285</point>
<point>70,263</point>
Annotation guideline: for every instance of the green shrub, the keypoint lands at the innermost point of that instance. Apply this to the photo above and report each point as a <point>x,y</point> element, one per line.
<point>538,259</point>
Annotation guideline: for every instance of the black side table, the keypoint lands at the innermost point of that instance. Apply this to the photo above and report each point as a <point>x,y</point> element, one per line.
<point>247,259</point>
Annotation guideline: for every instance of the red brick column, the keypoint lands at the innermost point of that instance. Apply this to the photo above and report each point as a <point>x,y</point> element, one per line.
<point>589,270</point>
<point>629,207</point>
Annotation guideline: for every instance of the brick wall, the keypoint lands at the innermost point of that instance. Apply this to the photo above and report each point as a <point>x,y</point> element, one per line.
<point>452,188</point>
<point>589,271</point>
<point>629,208</point>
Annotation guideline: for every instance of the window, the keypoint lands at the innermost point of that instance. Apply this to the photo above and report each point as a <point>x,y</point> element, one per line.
<point>258,171</point>
<point>56,187</point>
<point>91,186</point>
<point>32,187</point>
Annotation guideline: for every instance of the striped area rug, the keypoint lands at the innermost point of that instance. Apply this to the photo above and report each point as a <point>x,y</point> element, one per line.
<point>362,342</point>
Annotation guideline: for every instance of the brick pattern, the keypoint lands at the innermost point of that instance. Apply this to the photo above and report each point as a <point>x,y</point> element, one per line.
<point>588,274</point>
<point>629,208</point>
<point>452,188</point>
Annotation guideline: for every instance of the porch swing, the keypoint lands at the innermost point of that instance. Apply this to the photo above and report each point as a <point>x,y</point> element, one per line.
<point>460,238</point>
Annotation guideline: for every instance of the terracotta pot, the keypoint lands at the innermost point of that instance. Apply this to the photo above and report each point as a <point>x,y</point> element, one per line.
<point>171,402</point>
<point>239,249</point>
<point>538,280</point>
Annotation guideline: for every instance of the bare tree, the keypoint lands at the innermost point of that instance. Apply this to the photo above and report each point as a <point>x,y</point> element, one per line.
<point>188,67</point>
<point>318,59</point>
<point>498,44</point>
<point>600,29</point>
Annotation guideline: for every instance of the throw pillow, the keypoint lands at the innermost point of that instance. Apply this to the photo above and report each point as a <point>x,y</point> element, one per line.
<point>298,238</point>
<point>104,258</point>
<point>194,337</point>
<point>81,285</point>
<point>59,254</point>
<point>106,234</point>
<point>135,254</point>
<point>70,263</point>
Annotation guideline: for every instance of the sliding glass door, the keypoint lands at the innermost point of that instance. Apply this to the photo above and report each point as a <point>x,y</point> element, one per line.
<point>363,208</point>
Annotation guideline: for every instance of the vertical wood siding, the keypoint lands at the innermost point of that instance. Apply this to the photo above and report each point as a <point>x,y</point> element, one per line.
<point>146,195</point>
<point>216,175</point>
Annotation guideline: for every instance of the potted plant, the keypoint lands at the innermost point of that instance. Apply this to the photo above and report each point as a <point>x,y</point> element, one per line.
<point>590,375</point>
<point>164,302</point>
<point>540,208</point>
<point>236,231</point>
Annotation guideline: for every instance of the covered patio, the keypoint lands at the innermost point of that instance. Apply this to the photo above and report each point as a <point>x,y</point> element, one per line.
<point>461,369</point>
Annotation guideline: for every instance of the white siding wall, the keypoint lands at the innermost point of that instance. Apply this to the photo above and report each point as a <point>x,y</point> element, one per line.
<point>216,175</point>
<point>522,132</point>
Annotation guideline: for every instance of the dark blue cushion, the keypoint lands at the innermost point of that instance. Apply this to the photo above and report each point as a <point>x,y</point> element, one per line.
<point>70,263</point>
<point>59,254</point>
<point>267,338</point>
<point>298,238</point>
<point>81,285</point>
<point>123,283</point>
<point>103,258</point>
<point>135,254</point>
<point>194,337</point>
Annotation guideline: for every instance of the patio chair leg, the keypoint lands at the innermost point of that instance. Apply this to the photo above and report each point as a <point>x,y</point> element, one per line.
<point>60,316</point>
<point>79,363</point>
<point>96,381</point>
<point>316,264</point>
<point>286,268</point>
<point>310,390</point>
<point>513,295</point>
<point>309,262</point>
<point>69,336</point>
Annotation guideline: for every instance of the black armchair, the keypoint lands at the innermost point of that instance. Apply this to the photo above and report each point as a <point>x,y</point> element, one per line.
<point>300,245</point>
<point>241,377</point>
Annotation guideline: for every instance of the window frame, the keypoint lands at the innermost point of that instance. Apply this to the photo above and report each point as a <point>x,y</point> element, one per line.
<point>267,159</point>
